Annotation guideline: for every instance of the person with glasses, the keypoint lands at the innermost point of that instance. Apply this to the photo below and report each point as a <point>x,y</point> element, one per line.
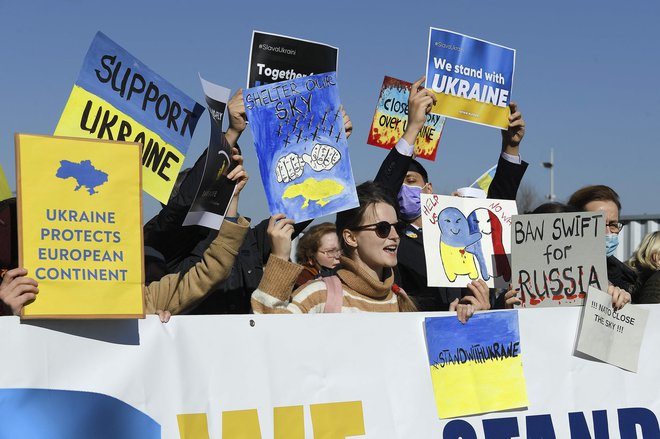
<point>318,252</point>
<point>369,237</point>
<point>406,177</point>
<point>600,198</point>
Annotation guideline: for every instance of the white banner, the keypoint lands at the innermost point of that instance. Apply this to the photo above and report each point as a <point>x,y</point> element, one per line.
<point>301,376</point>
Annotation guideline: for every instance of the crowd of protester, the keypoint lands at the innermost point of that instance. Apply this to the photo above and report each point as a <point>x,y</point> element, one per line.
<point>370,260</point>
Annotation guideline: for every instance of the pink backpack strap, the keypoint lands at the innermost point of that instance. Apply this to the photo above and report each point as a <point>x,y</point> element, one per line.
<point>335,295</point>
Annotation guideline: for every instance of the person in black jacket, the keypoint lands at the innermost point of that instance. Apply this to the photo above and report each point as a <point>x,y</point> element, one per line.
<point>600,198</point>
<point>182,247</point>
<point>407,177</point>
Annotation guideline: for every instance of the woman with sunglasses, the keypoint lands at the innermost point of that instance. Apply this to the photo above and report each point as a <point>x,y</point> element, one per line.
<point>318,252</point>
<point>369,236</point>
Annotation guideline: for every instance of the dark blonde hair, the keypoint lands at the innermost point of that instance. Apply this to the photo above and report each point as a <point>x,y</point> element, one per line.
<point>311,241</point>
<point>643,258</point>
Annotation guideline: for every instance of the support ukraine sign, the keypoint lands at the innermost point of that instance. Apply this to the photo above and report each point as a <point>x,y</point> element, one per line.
<point>471,78</point>
<point>116,97</point>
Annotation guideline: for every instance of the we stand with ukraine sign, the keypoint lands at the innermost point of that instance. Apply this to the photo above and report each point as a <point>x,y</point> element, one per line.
<point>471,78</point>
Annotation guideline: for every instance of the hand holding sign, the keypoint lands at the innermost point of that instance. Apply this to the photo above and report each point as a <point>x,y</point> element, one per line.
<point>323,157</point>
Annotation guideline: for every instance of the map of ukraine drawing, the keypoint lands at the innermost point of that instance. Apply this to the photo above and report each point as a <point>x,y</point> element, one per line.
<point>85,174</point>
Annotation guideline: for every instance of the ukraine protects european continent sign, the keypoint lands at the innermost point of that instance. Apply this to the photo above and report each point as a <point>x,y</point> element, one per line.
<point>80,216</point>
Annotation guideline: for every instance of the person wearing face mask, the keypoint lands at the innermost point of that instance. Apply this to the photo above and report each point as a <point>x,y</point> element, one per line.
<point>407,178</point>
<point>600,198</point>
<point>318,252</point>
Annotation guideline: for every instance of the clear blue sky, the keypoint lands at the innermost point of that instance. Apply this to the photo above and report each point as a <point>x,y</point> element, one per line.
<point>585,79</point>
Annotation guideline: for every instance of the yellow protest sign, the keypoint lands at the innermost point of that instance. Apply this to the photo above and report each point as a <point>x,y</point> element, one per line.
<point>5,192</point>
<point>83,116</point>
<point>117,97</point>
<point>80,226</point>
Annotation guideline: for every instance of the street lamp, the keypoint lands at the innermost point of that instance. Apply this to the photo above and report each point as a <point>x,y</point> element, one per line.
<point>551,165</point>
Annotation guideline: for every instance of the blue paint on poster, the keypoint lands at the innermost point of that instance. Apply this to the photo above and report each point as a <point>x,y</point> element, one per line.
<point>66,414</point>
<point>301,145</point>
<point>469,68</point>
<point>120,79</point>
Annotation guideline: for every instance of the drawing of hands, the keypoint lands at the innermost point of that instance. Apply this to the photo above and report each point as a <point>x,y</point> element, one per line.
<point>323,157</point>
<point>289,168</point>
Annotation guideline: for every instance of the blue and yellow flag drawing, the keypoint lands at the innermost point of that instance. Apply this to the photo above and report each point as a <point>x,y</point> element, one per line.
<point>476,367</point>
<point>117,97</point>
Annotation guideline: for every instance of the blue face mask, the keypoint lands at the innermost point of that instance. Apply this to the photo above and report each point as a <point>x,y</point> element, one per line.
<point>611,243</point>
<point>410,205</point>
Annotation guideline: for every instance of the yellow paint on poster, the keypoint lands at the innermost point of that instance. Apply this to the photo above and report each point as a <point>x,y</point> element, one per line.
<point>473,388</point>
<point>337,420</point>
<point>470,110</point>
<point>193,426</point>
<point>392,129</point>
<point>289,422</point>
<point>87,115</point>
<point>80,226</point>
<point>241,424</point>
<point>5,192</point>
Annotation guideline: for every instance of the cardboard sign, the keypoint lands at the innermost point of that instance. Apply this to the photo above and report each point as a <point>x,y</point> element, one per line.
<point>557,257</point>
<point>612,336</point>
<point>391,119</point>
<point>117,97</point>
<point>471,78</point>
<point>301,145</point>
<point>80,226</point>
<point>215,191</point>
<point>478,368</point>
<point>275,58</point>
<point>467,239</point>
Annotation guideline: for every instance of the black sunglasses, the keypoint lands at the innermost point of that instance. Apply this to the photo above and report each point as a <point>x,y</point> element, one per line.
<point>383,228</point>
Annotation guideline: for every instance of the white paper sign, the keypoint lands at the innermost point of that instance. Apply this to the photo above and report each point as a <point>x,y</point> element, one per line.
<point>614,337</point>
<point>467,239</point>
<point>555,258</point>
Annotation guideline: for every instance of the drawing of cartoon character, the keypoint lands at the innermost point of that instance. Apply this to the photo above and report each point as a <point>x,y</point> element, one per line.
<point>479,221</point>
<point>455,244</point>
<point>502,266</point>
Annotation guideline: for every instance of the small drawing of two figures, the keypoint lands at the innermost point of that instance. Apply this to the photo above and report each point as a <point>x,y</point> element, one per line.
<point>479,236</point>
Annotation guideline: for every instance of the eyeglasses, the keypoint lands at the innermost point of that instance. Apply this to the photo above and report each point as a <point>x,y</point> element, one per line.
<point>331,253</point>
<point>614,227</point>
<point>383,228</point>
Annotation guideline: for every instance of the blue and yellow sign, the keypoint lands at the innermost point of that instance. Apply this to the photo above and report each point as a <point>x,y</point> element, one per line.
<point>80,226</point>
<point>116,97</point>
<point>476,367</point>
<point>471,78</point>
